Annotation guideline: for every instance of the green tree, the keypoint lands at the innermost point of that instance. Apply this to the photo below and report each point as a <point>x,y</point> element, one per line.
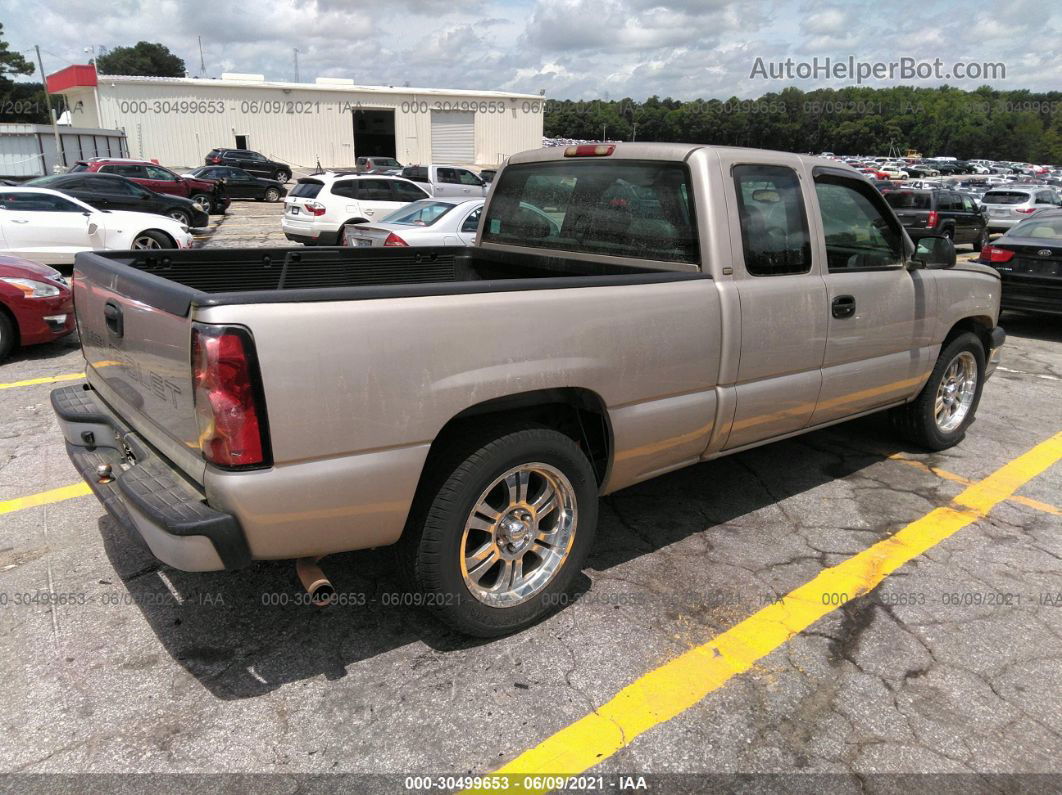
<point>19,102</point>
<point>143,59</point>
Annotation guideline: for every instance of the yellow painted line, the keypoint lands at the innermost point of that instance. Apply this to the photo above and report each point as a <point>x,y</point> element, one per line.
<point>1028,502</point>
<point>55,378</point>
<point>45,497</point>
<point>676,686</point>
<point>50,380</point>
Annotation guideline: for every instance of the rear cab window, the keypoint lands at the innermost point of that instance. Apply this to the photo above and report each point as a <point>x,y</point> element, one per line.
<point>637,209</point>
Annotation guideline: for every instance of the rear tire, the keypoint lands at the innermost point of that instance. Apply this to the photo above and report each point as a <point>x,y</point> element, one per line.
<point>272,195</point>
<point>8,335</point>
<point>487,546</point>
<point>982,240</point>
<point>282,177</point>
<point>938,418</point>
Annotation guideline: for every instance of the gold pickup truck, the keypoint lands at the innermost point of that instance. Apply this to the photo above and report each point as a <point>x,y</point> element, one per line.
<point>626,310</point>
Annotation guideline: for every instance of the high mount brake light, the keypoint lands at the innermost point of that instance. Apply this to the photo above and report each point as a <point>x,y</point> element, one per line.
<point>590,150</point>
<point>228,405</point>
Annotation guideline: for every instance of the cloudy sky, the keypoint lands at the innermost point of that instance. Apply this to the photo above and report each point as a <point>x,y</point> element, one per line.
<point>575,49</point>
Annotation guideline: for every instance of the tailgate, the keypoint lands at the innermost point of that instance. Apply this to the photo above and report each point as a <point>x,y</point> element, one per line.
<point>138,359</point>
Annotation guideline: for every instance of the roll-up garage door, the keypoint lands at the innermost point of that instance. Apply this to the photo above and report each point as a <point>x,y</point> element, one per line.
<point>452,138</point>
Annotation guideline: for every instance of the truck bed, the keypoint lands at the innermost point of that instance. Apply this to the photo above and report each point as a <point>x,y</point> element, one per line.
<point>176,281</point>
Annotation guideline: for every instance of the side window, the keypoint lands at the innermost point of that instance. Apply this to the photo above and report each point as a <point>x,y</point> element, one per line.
<point>1045,197</point>
<point>375,190</point>
<point>448,175</point>
<point>38,203</point>
<point>348,189</point>
<point>160,174</point>
<point>858,232</point>
<point>968,205</point>
<point>471,224</point>
<point>404,192</point>
<point>774,226</point>
<point>468,178</point>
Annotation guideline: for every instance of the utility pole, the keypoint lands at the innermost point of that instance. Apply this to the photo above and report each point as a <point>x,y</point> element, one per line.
<point>634,130</point>
<point>51,111</point>
<point>295,51</point>
<point>202,63</point>
<point>603,128</point>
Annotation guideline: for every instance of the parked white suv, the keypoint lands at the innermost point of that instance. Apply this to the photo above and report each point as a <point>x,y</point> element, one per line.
<point>317,207</point>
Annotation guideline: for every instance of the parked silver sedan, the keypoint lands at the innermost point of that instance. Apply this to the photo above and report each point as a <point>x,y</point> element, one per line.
<point>430,222</point>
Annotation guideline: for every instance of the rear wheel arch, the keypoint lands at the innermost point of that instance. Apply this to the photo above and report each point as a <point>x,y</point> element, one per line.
<point>578,413</point>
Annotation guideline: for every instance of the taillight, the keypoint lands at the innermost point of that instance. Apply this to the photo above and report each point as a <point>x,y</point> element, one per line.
<point>229,408</point>
<point>314,208</point>
<point>589,150</point>
<point>931,219</point>
<point>1026,211</point>
<point>215,160</point>
<point>995,254</point>
<point>395,240</point>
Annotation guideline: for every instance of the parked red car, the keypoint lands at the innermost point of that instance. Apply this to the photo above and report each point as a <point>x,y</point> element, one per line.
<point>209,194</point>
<point>35,304</point>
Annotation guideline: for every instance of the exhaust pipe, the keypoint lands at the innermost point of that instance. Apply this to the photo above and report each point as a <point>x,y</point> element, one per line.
<point>317,585</point>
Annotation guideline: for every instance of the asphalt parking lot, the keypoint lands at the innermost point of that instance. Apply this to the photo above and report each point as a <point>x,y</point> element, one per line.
<point>837,604</point>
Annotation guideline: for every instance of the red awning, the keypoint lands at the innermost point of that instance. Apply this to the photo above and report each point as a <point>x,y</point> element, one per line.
<point>72,77</point>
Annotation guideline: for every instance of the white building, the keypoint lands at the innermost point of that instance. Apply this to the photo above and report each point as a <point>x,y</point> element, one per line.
<point>178,120</point>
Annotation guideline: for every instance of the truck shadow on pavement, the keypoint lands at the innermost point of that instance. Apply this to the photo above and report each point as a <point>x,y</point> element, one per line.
<point>243,634</point>
<point>1046,328</point>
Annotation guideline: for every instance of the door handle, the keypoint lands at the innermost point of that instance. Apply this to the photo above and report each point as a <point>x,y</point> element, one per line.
<point>844,306</point>
<point>20,220</point>
<point>112,314</point>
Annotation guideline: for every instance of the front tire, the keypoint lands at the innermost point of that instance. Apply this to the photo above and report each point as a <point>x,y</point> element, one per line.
<point>938,418</point>
<point>272,195</point>
<point>498,534</point>
<point>282,177</point>
<point>203,201</point>
<point>8,335</point>
<point>152,240</point>
<point>180,216</point>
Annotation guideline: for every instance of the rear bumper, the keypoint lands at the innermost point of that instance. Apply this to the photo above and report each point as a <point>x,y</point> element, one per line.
<point>146,494</point>
<point>320,239</point>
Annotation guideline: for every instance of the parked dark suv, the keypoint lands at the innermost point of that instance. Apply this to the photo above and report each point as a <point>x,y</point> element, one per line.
<point>940,212</point>
<point>253,162</point>
<point>209,194</point>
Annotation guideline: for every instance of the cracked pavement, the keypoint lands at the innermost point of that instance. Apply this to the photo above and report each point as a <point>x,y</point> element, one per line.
<point>936,671</point>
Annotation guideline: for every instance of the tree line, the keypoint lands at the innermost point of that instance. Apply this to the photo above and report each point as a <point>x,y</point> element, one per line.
<point>1022,125</point>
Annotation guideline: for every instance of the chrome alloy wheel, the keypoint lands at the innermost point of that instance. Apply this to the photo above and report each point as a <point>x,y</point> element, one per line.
<point>956,391</point>
<point>518,535</point>
<point>145,242</point>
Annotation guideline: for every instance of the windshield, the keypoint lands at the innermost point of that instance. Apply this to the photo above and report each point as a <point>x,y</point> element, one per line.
<point>907,200</point>
<point>618,208</point>
<point>386,161</point>
<point>1045,228</point>
<point>422,213</point>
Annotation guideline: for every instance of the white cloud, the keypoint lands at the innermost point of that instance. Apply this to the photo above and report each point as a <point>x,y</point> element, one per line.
<point>570,48</point>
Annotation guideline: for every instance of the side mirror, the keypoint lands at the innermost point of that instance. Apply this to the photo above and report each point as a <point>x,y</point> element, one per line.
<point>934,251</point>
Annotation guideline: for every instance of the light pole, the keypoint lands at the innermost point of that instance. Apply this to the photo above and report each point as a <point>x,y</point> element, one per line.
<point>51,111</point>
